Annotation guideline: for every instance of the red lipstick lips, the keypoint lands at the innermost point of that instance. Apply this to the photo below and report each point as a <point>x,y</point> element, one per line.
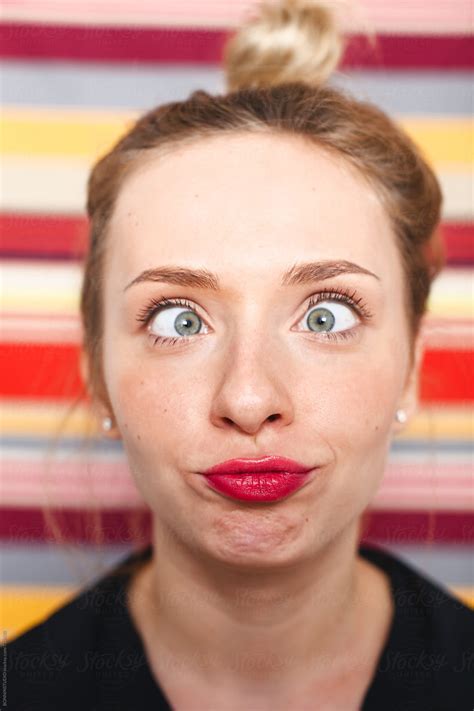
<point>267,479</point>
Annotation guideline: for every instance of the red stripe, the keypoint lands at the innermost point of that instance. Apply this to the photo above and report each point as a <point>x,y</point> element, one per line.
<point>57,237</point>
<point>169,44</point>
<point>42,371</point>
<point>21,525</point>
<point>39,371</point>
<point>447,376</point>
<point>42,236</point>
<point>458,238</point>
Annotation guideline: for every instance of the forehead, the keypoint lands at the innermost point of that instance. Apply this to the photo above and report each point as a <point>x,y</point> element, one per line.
<point>235,200</point>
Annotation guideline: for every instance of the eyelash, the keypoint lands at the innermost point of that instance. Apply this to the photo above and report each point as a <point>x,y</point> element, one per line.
<point>342,295</point>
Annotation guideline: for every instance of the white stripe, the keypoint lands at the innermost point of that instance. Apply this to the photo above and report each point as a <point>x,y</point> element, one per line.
<point>50,289</point>
<point>58,185</point>
<point>438,334</point>
<point>32,288</point>
<point>448,333</point>
<point>40,329</point>
<point>452,295</point>
<point>443,499</point>
<point>46,185</point>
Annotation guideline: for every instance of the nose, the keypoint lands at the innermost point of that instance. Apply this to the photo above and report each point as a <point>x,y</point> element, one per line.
<point>253,387</point>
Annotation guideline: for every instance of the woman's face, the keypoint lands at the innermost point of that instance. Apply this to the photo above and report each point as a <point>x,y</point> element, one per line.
<point>248,208</point>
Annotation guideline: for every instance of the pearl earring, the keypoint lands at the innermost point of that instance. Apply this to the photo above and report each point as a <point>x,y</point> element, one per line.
<point>401,416</point>
<point>107,424</point>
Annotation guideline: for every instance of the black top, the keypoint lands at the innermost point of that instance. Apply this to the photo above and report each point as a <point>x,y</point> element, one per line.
<point>88,655</point>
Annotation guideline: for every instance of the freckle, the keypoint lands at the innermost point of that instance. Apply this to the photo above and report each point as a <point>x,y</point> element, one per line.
<point>138,437</point>
<point>306,519</point>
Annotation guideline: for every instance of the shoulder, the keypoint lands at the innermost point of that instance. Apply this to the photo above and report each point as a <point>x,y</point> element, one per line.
<point>430,648</point>
<point>59,658</point>
<point>43,663</point>
<point>423,598</point>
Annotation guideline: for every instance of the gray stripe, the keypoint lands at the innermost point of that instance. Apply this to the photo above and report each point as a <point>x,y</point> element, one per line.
<point>60,565</point>
<point>439,93</point>
<point>141,87</point>
<point>448,564</point>
<point>49,564</point>
<point>44,445</point>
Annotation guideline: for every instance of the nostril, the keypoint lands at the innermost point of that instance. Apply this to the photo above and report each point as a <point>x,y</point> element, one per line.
<point>272,417</point>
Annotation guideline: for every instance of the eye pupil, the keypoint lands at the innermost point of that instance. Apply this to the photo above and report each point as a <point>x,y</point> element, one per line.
<point>321,319</point>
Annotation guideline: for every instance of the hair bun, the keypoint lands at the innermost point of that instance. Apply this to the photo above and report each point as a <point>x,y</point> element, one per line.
<point>287,41</point>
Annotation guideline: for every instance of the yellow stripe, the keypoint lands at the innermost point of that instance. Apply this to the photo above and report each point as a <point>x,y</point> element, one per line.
<point>45,420</point>
<point>89,134</point>
<point>23,607</point>
<point>440,423</point>
<point>48,420</point>
<point>442,140</point>
<point>85,134</point>
<point>464,593</point>
<point>441,306</point>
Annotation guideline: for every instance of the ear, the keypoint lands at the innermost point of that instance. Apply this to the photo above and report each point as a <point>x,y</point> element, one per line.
<point>410,396</point>
<point>99,406</point>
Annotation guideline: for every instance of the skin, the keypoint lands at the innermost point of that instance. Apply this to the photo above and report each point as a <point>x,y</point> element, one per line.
<point>265,604</point>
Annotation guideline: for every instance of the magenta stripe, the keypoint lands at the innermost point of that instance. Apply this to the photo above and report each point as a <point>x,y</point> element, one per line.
<point>163,44</point>
<point>28,524</point>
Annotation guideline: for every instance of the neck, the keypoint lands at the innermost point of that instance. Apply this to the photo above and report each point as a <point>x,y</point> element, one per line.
<point>229,623</point>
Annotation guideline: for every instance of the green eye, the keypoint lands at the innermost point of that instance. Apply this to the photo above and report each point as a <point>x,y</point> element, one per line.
<point>331,316</point>
<point>175,320</point>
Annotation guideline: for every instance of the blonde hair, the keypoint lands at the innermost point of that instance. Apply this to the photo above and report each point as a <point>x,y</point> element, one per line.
<point>285,42</point>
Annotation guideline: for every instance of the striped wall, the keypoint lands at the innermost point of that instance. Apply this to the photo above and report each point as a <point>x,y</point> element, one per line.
<point>71,82</point>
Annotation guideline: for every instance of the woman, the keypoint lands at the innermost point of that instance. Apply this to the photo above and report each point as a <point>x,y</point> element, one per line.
<point>258,271</point>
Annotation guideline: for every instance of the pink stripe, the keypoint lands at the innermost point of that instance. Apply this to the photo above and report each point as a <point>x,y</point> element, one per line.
<point>455,15</point>
<point>76,484</point>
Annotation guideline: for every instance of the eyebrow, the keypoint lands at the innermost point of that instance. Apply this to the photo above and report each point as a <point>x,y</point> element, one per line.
<point>298,274</point>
